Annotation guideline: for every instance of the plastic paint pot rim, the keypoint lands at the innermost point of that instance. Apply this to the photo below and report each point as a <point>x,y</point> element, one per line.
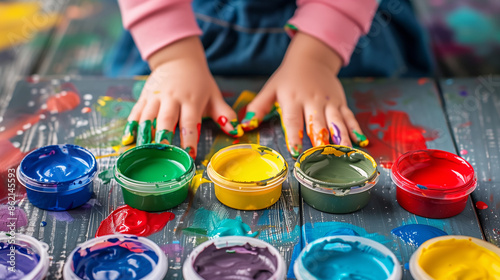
<point>154,187</point>
<point>335,188</point>
<point>41,248</point>
<point>419,273</point>
<point>301,273</point>
<point>189,272</point>
<point>462,190</point>
<point>158,272</point>
<point>57,187</point>
<point>246,186</point>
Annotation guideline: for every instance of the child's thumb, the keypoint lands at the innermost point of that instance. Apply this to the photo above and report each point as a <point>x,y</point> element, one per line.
<point>258,109</point>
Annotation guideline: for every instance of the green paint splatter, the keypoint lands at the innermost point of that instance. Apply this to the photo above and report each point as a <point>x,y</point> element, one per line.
<point>164,136</point>
<point>106,175</point>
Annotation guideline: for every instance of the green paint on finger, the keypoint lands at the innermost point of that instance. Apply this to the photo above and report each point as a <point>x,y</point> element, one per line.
<point>248,117</point>
<point>362,140</point>
<point>144,133</point>
<point>164,136</point>
<point>129,133</point>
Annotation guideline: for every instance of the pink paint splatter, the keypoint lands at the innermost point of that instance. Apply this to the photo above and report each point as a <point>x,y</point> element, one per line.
<point>464,152</point>
<point>481,205</point>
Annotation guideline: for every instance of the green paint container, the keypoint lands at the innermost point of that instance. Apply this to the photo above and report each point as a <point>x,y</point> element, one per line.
<point>336,179</point>
<point>154,177</point>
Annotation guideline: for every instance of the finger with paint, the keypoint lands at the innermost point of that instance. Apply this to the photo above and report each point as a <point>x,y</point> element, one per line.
<point>146,128</point>
<point>292,123</point>
<point>337,127</point>
<point>258,109</point>
<point>316,125</point>
<point>224,116</point>
<point>353,127</point>
<point>166,121</point>
<point>129,133</point>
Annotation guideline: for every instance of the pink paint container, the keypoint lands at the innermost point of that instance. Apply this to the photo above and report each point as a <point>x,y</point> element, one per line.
<point>433,183</point>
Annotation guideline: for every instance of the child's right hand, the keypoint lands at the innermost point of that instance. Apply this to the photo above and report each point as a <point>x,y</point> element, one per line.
<point>180,90</point>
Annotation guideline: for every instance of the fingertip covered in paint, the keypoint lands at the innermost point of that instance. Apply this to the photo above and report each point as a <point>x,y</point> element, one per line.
<point>250,122</point>
<point>237,129</point>
<point>164,136</point>
<point>362,140</point>
<point>144,133</point>
<point>129,133</point>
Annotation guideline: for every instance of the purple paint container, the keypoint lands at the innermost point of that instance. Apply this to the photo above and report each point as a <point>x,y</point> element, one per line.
<point>23,257</point>
<point>250,258</point>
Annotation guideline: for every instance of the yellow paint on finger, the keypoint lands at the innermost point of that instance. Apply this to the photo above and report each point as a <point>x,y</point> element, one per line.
<point>459,259</point>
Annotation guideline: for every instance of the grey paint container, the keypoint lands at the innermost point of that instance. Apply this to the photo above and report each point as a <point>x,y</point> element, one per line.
<point>336,179</point>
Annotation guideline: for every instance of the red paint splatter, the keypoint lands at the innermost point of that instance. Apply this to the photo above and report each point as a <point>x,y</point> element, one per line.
<point>236,141</point>
<point>198,128</point>
<point>86,110</point>
<point>391,134</point>
<point>481,205</point>
<point>422,81</point>
<point>128,220</point>
<point>222,120</point>
<point>467,124</point>
<point>464,152</point>
<point>63,101</point>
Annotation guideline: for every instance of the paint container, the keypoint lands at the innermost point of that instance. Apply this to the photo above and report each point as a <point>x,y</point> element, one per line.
<point>58,177</point>
<point>106,257</point>
<point>346,257</point>
<point>249,258</point>
<point>336,179</point>
<point>247,176</point>
<point>154,177</point>
<point>433,183</point>
<point>30,260</point>
<point>455,257</point>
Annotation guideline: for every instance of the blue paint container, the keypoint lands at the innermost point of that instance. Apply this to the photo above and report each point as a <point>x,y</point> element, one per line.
<point>346,257</point>
<point>116,256</point>
<point>58,177</point>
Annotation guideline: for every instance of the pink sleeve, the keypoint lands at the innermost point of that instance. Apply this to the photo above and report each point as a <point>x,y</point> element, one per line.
<point>338,23</point>
<point>157,23</point>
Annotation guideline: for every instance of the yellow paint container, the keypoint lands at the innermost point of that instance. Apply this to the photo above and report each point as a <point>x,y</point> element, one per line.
<point>247,176</point>
<point>456,257</point>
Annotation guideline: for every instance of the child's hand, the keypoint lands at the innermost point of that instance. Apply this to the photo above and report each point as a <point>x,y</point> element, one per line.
<point>180,90</point>
<point>308,90</point>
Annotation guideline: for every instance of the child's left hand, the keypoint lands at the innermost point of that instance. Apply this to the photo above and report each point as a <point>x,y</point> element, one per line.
<point>307,89</point>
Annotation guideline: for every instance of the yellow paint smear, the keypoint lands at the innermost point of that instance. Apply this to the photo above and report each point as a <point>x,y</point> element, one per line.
<point>459,259</point>
<point>20,21</point>
<point>197,181</point>
<point>248,165</point>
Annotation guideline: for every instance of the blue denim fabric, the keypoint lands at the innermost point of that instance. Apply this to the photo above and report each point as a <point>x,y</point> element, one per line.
<point>246,37</point>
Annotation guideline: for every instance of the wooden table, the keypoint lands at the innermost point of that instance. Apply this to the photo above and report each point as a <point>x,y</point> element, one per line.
<point>386,109</point>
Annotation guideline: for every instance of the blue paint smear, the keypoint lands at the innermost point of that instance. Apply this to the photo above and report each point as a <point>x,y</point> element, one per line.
<point>117,259</point>
<point>340,259</point>
<point>421,187</point>
<point>232,227</point>
<point>311,232</point>
<point>416,234</point>
<point>26,260</point>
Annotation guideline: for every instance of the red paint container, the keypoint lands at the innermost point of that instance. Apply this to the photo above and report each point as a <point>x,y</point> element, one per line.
<point>433,183</point>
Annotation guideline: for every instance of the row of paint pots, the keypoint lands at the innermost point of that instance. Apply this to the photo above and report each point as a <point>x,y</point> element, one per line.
<point>333,257</point>
<point>333,178</point>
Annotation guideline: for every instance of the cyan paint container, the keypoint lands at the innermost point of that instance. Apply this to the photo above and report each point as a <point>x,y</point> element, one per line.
<point>154,177</point>
<point>234,257</point>
<point>116,256</point>
<point>336,179</point>
<point>58,177</point>
<point>27,255</point>
<point>346,257</point>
